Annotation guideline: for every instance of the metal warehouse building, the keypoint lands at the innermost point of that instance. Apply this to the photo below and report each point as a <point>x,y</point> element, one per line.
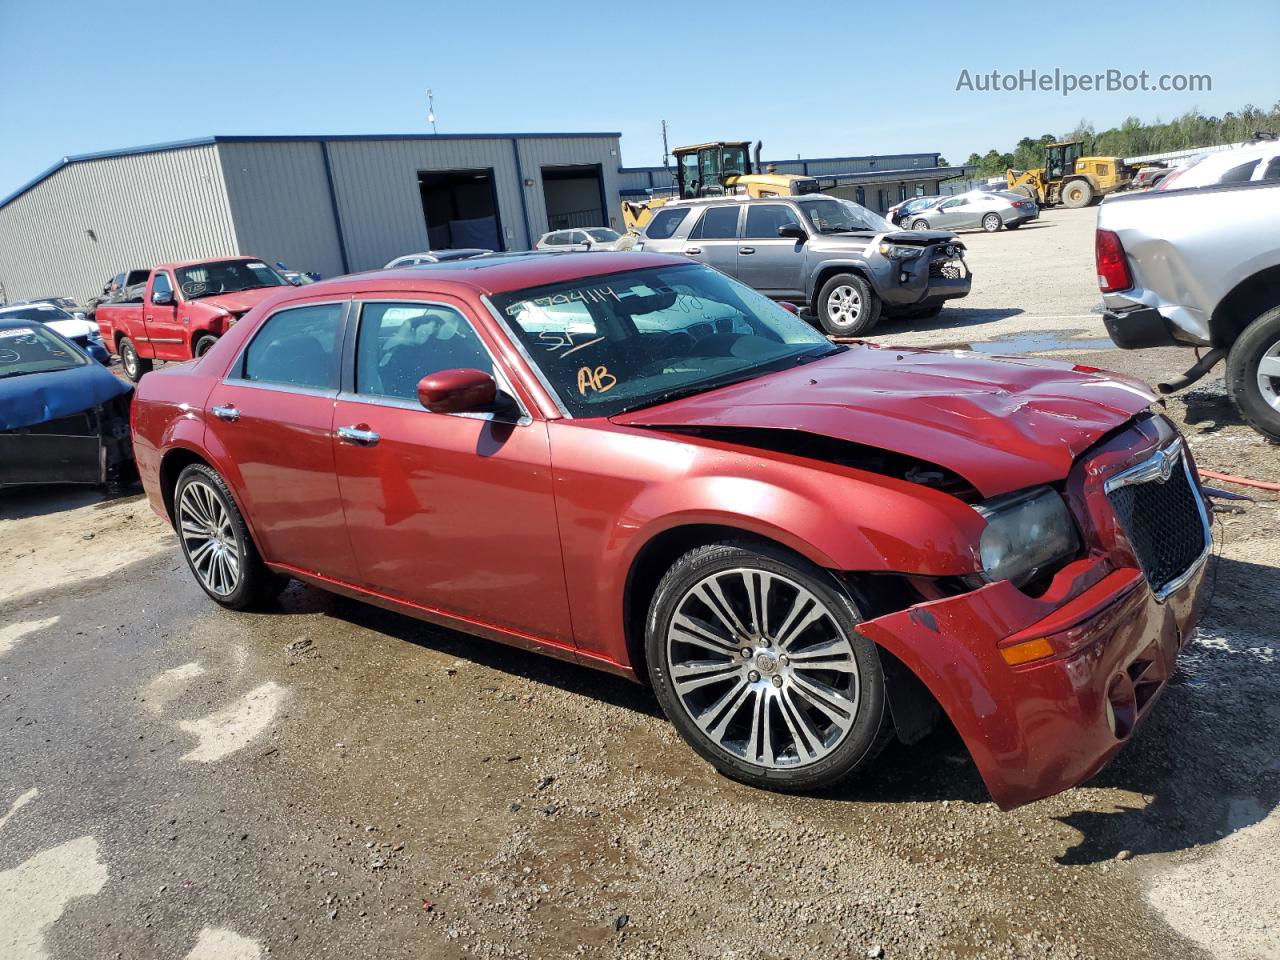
<point>329,204</point>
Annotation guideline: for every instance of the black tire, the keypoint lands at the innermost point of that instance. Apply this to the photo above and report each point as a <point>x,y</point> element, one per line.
<point>202,344</point>
<point>254,583</point>
<point>843,322</point>
<point>869,729</point>
<point>921,224</point>
<point>134,365</point>
<point>991,223</point>
<point>1077,194</point>
<point>1260,338</point>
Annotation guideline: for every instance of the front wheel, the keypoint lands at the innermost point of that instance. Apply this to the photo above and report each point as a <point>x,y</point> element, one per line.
<point>920,225</point>
<point>134,365</point>
<point>991,223</point>
<point>847,307</point>
<point>1253,374</point>
<point>216,542</point>
<point>203,344</point>
<point>754,656</point>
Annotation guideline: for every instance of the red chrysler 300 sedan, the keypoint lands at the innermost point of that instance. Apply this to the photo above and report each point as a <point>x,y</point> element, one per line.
<point>636,463</point>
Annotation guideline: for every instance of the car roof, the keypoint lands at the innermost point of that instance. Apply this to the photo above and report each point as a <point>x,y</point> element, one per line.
<point>495,273</point>
<point>180,264</point>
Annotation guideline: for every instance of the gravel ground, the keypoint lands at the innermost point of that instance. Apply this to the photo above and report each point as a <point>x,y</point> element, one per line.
<point>332,780</point>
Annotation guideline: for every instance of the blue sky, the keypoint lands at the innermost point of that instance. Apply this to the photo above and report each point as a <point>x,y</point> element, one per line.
<point>858,78</point>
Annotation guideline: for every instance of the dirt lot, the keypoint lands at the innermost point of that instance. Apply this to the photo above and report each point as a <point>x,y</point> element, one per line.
<point>330,780</point>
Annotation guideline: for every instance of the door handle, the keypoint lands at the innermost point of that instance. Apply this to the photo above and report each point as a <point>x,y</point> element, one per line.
<point>360,435</point>
<point>228,413</point>
<point>746,251</point>
<point>692,249</point>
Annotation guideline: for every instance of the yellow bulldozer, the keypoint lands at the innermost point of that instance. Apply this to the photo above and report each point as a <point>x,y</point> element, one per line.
<point>723,168</point>
<point>1070,178</point>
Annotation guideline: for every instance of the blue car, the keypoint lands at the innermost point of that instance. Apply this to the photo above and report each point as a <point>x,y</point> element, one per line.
<point>63,418</point>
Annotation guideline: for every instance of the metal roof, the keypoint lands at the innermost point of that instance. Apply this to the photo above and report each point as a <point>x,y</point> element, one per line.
<point>284,138</point>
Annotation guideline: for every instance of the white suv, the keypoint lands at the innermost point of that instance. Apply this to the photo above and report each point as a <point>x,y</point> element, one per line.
<point>588,238</point>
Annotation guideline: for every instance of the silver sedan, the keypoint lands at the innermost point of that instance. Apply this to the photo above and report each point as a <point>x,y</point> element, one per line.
<point>977,210</point>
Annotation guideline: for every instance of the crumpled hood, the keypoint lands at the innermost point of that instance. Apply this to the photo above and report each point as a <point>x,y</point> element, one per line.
<point>242,300</point>
<point>1002,423</point>
<point>32,398</point>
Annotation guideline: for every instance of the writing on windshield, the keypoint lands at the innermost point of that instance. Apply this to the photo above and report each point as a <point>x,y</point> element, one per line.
<point>231,276</point>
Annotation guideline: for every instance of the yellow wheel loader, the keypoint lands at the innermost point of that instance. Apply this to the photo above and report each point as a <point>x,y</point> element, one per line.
<point>1069,178</point>
<point>723,168</point>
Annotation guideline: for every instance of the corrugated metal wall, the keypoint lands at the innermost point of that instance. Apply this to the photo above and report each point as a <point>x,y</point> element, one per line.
<point>142,209</point>
<point>279,198</point>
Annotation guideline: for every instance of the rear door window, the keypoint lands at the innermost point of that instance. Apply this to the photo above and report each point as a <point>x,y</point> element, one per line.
<point>297,347</point>
<point>718,223</point>
<point>1239,174</point>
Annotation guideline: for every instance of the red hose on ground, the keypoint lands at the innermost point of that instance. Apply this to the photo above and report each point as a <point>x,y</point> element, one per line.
<point>1242,481</point>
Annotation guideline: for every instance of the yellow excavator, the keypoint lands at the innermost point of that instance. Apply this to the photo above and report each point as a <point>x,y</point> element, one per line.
<point>723,168</point>
<point>1070,178</point>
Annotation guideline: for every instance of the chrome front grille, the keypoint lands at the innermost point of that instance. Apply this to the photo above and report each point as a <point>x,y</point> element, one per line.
<point>1163,516</point>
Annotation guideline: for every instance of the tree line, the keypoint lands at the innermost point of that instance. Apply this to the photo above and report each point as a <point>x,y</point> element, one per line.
<point>1134,138</point>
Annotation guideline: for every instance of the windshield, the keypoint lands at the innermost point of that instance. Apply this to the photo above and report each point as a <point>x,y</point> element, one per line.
<point>36,312</point>
<point>603,235</point>
<point>211,279</point>
<point>35,350</point>
<point>833,215</point>
<point>609,344</point>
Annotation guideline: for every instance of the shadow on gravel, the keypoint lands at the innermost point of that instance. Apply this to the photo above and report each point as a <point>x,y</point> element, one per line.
<point>19,503</point>
<point>950,318</point>
<point>537,667</point>
<point>1210,409</point>
<point>1208,753</point>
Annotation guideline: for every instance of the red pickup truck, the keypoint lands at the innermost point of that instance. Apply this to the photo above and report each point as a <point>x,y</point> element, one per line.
<point>185,308</point>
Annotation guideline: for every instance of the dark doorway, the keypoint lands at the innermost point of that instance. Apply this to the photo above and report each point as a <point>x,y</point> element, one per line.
<point>574,196</point>
<point>461,209</point>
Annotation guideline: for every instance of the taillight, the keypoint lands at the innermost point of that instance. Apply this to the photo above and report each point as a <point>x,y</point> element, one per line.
<point>1113,267</point>
<point>1020,204</point>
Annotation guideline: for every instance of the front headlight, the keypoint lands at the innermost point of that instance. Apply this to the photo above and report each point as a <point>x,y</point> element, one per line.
<point>900,251</point>
<point>1026,533</point>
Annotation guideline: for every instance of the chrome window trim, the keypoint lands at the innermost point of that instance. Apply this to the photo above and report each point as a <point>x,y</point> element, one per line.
<point>504,382</point>
<point>1159,467</point>
<point>238,363</point>
<point>515,341</point>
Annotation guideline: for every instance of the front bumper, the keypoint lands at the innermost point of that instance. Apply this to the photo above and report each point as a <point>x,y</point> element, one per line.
<point>926,280</point>
<point>1042,728</point>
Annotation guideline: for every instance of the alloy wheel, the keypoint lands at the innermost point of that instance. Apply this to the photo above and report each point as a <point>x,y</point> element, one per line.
<point>844,306</point>
<point>763,668</point>
<point>130,360</point>
<point>1269,375</point>
<point>208,537</point>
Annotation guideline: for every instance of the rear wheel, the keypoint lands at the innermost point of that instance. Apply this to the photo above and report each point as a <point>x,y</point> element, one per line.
<point>1077,193</point>
<point>991,223</point>
<point>847,307</point>
<point>754,656</point>
<point>216,542</point>
<point>202,344</point>
<point>134,365</point>
<point>1253,374</point>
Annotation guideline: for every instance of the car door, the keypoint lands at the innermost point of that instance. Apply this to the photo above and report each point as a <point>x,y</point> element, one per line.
<point>714,238</point>
<point>269,423</point>
<point>164,331</point>
<point>450,512</point>
<point>772,264</point>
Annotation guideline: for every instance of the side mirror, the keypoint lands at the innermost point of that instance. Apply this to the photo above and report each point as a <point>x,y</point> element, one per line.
<point>457,391</point>
<point>789,307</point>
<point>162,298</point>
<point>793,231</point>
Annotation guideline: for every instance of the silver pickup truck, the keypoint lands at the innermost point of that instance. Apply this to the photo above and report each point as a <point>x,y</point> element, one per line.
<point>1200,268</point>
